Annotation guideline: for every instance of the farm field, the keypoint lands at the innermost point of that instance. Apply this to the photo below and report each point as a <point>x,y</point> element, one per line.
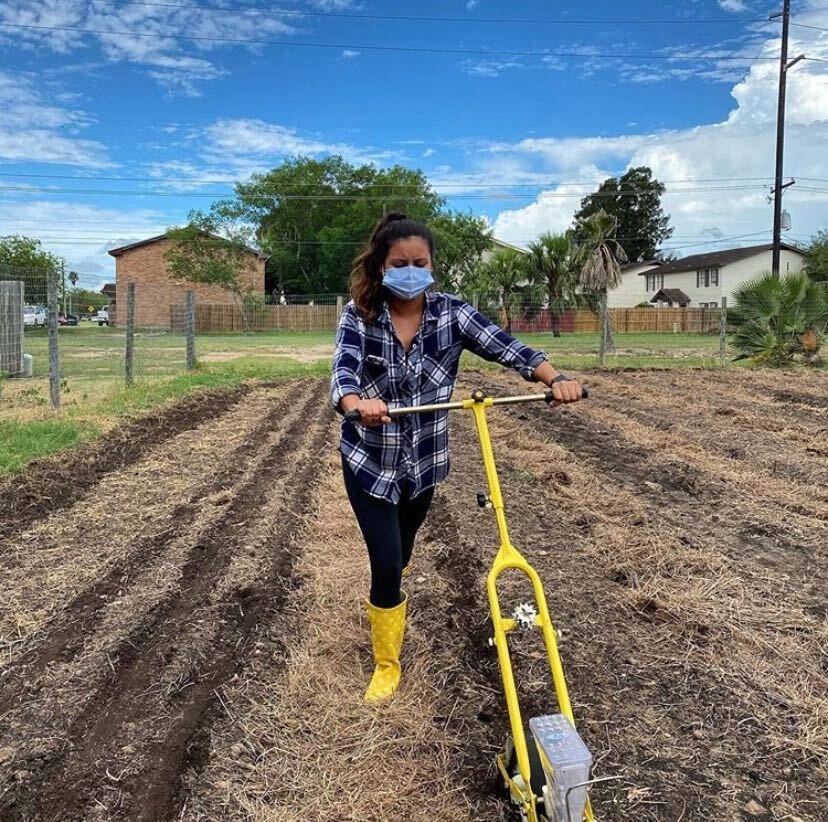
<point>182,636</point>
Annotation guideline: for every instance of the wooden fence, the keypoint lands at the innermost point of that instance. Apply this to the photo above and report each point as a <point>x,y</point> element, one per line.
<point>625,320</point>
<point>214,317</point>
<point>324,318</point>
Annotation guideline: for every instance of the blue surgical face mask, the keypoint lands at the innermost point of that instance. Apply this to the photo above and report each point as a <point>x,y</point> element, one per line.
<point>407,283</point>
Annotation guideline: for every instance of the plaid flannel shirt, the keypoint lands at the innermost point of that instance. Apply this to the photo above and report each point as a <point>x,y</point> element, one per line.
<point>370,361</point>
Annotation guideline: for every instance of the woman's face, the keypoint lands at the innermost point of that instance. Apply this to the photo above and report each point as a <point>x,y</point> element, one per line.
<point>408,251</point>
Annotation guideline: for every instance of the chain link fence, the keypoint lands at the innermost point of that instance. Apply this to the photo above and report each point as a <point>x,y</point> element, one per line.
<point>149,335</point>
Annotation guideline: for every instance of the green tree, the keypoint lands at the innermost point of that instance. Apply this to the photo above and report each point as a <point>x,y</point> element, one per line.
<point>460,241</point>
<point>816,257</point>
<point>553,265</point>
<point>213,250</point>
<point>26,254</point>
<point>311,216</point>
<point>601,256</point>
<point>81,299</point>
<point>634,199</point>
<point>778,319</point>
<point>24,258</point>
<point>503,277</point>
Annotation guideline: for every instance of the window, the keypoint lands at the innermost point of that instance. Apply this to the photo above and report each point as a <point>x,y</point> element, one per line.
<point>705,277</point>
<point>655,281</point>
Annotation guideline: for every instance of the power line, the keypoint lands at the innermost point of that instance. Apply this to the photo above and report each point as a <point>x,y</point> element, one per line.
<point>630,192</point>
<point>278,12</point>
<point>806,26</point>
<point>204,180</point>
<point>687,241</point>
<point>583,55</point>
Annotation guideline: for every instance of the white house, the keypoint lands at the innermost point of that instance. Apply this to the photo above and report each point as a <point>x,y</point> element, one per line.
<point>499,245</point>
<point>628,293</point>
<point>700,280</point>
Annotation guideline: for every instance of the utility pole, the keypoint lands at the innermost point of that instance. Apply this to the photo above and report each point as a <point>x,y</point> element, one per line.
<point>778,188</point>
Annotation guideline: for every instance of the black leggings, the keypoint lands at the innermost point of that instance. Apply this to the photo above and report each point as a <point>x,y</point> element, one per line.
<point>389,532</point>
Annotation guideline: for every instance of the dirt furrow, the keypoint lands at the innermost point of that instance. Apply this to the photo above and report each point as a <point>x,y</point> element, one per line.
<point>53,484</point>
<point>301,744</point>
<point>749,393</point>
<point>132,696</point>
<point>736,435</point>
<point>669,702</point>
<point>687,496</point>
<point>57,559</point>
<point>67,633</point>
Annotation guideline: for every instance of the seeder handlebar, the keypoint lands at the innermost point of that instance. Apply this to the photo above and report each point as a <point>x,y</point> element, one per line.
<point>477,397</point>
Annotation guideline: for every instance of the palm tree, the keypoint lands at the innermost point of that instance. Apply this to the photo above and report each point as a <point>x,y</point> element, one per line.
<point>553,264</point>
<point>601,256</point>
<point>777,319</point>
<point>504,275</point>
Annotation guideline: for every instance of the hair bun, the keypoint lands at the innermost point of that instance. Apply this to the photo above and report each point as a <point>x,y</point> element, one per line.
<point>394,216</point>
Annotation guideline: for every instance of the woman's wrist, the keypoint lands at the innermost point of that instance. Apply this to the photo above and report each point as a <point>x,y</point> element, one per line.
<point>349,402</point>
<point>546,373</point>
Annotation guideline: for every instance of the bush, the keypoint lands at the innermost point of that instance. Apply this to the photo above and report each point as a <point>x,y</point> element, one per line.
<point>779,320</point>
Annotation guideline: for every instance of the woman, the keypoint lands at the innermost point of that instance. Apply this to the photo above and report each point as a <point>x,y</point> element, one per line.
<point>399,344</point>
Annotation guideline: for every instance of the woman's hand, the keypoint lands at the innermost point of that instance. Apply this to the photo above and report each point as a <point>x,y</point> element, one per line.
<point>564,392</point>
<point>372,412</point>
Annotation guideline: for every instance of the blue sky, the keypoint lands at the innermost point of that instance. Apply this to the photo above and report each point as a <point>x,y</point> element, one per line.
<point>512,120</point>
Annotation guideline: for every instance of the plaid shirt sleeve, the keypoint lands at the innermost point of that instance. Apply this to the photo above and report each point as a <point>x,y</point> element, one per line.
<point>347,357</point>
<point>490,341</point>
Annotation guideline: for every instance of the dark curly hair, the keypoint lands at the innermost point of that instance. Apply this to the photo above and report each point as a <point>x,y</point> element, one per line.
<point>366,278</point>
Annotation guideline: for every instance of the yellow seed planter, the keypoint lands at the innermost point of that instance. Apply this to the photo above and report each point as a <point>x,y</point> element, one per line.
<point>519,780</point>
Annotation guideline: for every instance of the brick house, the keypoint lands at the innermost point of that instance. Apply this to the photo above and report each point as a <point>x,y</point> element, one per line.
<point>156,293</point>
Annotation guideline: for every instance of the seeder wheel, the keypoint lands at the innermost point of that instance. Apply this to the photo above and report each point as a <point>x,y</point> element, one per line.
<point>537,777</point>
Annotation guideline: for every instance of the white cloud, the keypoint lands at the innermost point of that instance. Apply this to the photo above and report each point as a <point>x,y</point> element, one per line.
<point>489,67</point>
<point>472,4</point>
<point>733,5</point>
<point>429,152</point>
<point>333,5</point>
<point>81,234</point>
<point>178,65</point>
<point>350,54</point>
<point>232,149</point>
<point>740,146</point>
<point>32,129</point>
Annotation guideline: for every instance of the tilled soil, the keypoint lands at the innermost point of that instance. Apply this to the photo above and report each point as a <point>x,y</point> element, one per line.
<point>181,629</point>
<point>105,706</point>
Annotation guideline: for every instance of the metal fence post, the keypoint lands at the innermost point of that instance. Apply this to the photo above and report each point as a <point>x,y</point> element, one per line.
<point>130,335</point>
<point>11,327</point>
<point>339,306</point>
<point>723,332</point>
<point>189,327</point>
<point>52,320</point>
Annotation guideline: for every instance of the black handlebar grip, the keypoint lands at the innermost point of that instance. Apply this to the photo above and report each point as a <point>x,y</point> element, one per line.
<point>353,416</point>
<point>549,396</point>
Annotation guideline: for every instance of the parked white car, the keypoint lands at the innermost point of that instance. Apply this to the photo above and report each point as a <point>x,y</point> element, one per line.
<point>34,315</point>
<point>102,317</point>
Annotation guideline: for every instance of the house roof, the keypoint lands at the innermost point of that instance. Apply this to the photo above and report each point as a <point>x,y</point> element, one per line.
<point>670,295</point>
<point>716,259</point>
<point>504,244</point>
<point>116,252</point>
<point>109,288</point>
<point>651,263</point>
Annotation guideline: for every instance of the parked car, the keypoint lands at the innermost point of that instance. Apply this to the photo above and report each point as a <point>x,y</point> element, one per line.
<point>68,319</point>
<point>34,315</point>
<point>102,317</point>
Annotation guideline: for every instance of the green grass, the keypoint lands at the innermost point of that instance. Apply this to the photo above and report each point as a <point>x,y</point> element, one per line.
<point>21,442</point>
<point>94,397</point>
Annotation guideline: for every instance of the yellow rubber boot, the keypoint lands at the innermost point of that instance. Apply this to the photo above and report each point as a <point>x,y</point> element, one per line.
<point>387,631</point>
